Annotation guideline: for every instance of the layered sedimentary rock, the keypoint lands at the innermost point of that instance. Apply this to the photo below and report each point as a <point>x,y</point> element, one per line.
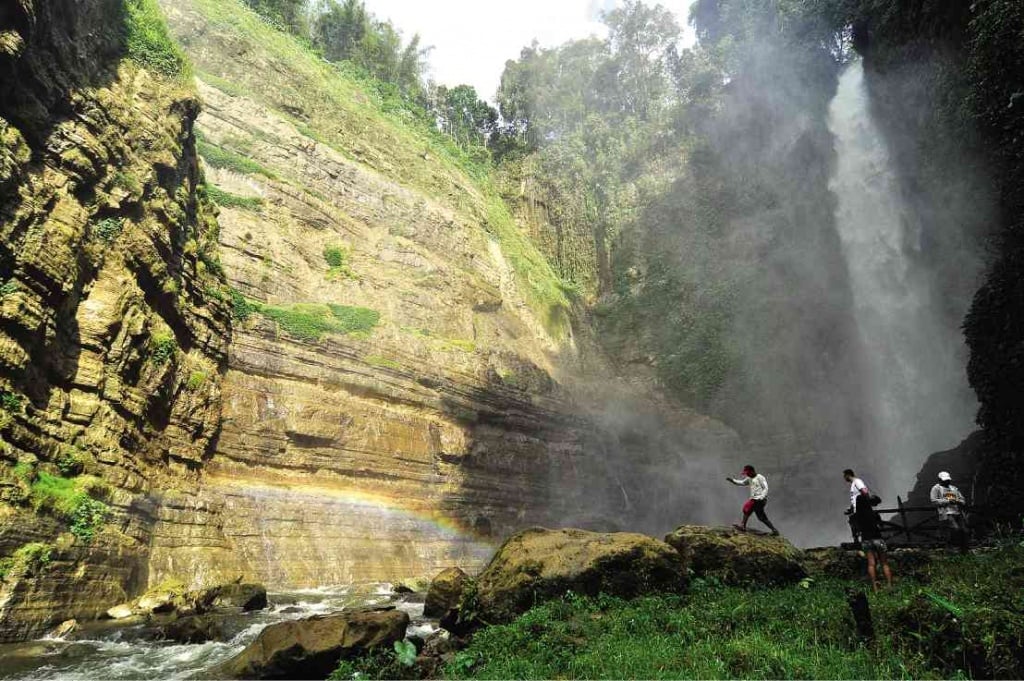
<point>407,447</point>
<point>110,342</point>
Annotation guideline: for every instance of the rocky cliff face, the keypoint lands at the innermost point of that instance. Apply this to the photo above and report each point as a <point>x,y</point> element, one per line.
<point>399,386</point>
<point>402,446</point>
<point>111,345</point>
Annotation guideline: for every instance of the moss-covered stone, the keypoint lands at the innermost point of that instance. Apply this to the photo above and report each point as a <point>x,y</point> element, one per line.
<point>536,565</point>
<point>737,557</point>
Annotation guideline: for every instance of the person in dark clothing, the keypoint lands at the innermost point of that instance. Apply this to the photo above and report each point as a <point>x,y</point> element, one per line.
<point>869,526</point>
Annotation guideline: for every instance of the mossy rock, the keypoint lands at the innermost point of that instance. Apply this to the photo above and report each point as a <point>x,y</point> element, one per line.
<point>445,591</point>
<point>737,557</point>
<point>537,564</point>
<point>312,648</point>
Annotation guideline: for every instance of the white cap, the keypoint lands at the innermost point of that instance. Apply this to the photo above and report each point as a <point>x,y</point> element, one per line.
<point>945,477</point>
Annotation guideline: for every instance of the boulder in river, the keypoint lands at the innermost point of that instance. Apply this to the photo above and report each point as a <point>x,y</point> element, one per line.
<point>64,628</point>
<point>738,557</point>
<point>120,612</point>
<point>539,564</point>
<point>311,648</point>
<point>445,591</point>
<point>193,629</point>
<point>245,596</point>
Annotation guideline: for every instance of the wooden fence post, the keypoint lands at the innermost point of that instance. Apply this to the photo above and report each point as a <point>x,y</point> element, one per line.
<point>903,519</point>
<point>861,614</point>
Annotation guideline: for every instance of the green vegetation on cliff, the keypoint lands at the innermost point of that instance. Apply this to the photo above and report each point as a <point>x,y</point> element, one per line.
<point>148,43</point>
<point>354,114</point>
<point>311,321</point>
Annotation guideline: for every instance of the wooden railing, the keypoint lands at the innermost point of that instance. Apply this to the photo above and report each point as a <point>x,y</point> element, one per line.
<point>918,525</point>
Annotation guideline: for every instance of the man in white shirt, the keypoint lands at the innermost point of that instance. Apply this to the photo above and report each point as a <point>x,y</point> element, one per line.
<point>857,487</point>
<point>758,498</point>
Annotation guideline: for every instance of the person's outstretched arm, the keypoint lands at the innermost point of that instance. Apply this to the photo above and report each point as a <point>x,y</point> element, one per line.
<point>744,481</point>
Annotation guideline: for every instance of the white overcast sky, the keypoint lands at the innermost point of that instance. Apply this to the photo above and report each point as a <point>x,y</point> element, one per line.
<point>472,39</point>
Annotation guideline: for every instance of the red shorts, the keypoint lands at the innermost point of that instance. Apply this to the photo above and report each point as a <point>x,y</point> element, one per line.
<point>748,507</point>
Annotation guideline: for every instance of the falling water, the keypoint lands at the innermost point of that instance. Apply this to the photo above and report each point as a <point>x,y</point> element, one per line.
<point>914,355</point>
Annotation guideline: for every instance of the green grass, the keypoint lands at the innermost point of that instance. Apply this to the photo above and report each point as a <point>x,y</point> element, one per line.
<point>379,361</point>
<point>337,258</point>
<point>964,618</point>
<point>163,347</point>
<point>108,229</point>
<point>311,321</point>
<point>32,557</point>
<point>228,200</point>
<point>73,500</point>
<point>10,402</point>
<point>8,287</point>
<point>196,380</point>
<point>241,307</point>
<point>219,157</point>
<point>148,43</point>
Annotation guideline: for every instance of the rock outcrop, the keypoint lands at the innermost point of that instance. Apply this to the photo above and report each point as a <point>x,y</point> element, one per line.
<point>312,648</point>
<point>737,557</point>
<point>445,591</point>
<point>537,564</point>
<point>113,329</point>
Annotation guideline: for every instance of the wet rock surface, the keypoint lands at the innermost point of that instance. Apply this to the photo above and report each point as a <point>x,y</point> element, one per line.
<point>311,648</point>
<point>445,591</point>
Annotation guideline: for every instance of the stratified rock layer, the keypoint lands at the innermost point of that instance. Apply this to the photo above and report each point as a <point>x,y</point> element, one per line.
<point>401,449</point>
<point>113,333</point>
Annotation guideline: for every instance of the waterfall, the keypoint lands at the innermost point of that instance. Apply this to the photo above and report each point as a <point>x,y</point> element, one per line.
<point>914,354</point>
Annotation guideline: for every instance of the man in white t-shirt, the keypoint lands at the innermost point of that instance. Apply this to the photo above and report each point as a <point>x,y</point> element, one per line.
<point>758,485</point>
<point>857,488</point>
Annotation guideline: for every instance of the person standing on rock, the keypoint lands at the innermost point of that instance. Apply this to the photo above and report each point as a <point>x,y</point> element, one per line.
<point>949,502</point>
<point>869,526</point>
<point>758,498</point>
<point>857,489</point>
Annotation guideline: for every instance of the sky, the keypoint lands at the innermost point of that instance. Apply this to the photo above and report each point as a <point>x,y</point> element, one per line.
<point>472,39</point>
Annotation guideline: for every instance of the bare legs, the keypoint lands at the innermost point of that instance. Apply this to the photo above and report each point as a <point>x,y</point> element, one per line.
<point>873,572</point>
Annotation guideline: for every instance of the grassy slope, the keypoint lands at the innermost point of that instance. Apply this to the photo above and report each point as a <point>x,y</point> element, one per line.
<point>960,617</point>
<point>963,617</point>
<point>348,114</point>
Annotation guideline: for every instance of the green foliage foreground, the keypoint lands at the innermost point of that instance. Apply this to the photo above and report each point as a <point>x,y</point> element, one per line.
<point>963,617</point>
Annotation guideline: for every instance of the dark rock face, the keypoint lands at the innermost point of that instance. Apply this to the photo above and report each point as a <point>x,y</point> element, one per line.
<point>312,648</point>
<point>445,591</point>
<point>961,462</point>
<point>737,557</point>
<point>539,564</point>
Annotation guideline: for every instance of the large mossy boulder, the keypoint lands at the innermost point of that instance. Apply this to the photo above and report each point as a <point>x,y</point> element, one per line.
<point>539,564</point>
<point>737,557</point>
<point>311,648</point>
<point>445,591</point>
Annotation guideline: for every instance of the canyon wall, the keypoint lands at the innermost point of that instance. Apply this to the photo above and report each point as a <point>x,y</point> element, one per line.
<point>458,416</point>
<point>112,332</point>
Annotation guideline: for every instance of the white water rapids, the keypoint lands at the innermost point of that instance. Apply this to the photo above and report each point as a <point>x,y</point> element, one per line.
<point>915,357</point>
<point>126,652</point>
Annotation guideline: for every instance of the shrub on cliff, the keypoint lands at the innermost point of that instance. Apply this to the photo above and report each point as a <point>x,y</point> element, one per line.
<point>148,43</point>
